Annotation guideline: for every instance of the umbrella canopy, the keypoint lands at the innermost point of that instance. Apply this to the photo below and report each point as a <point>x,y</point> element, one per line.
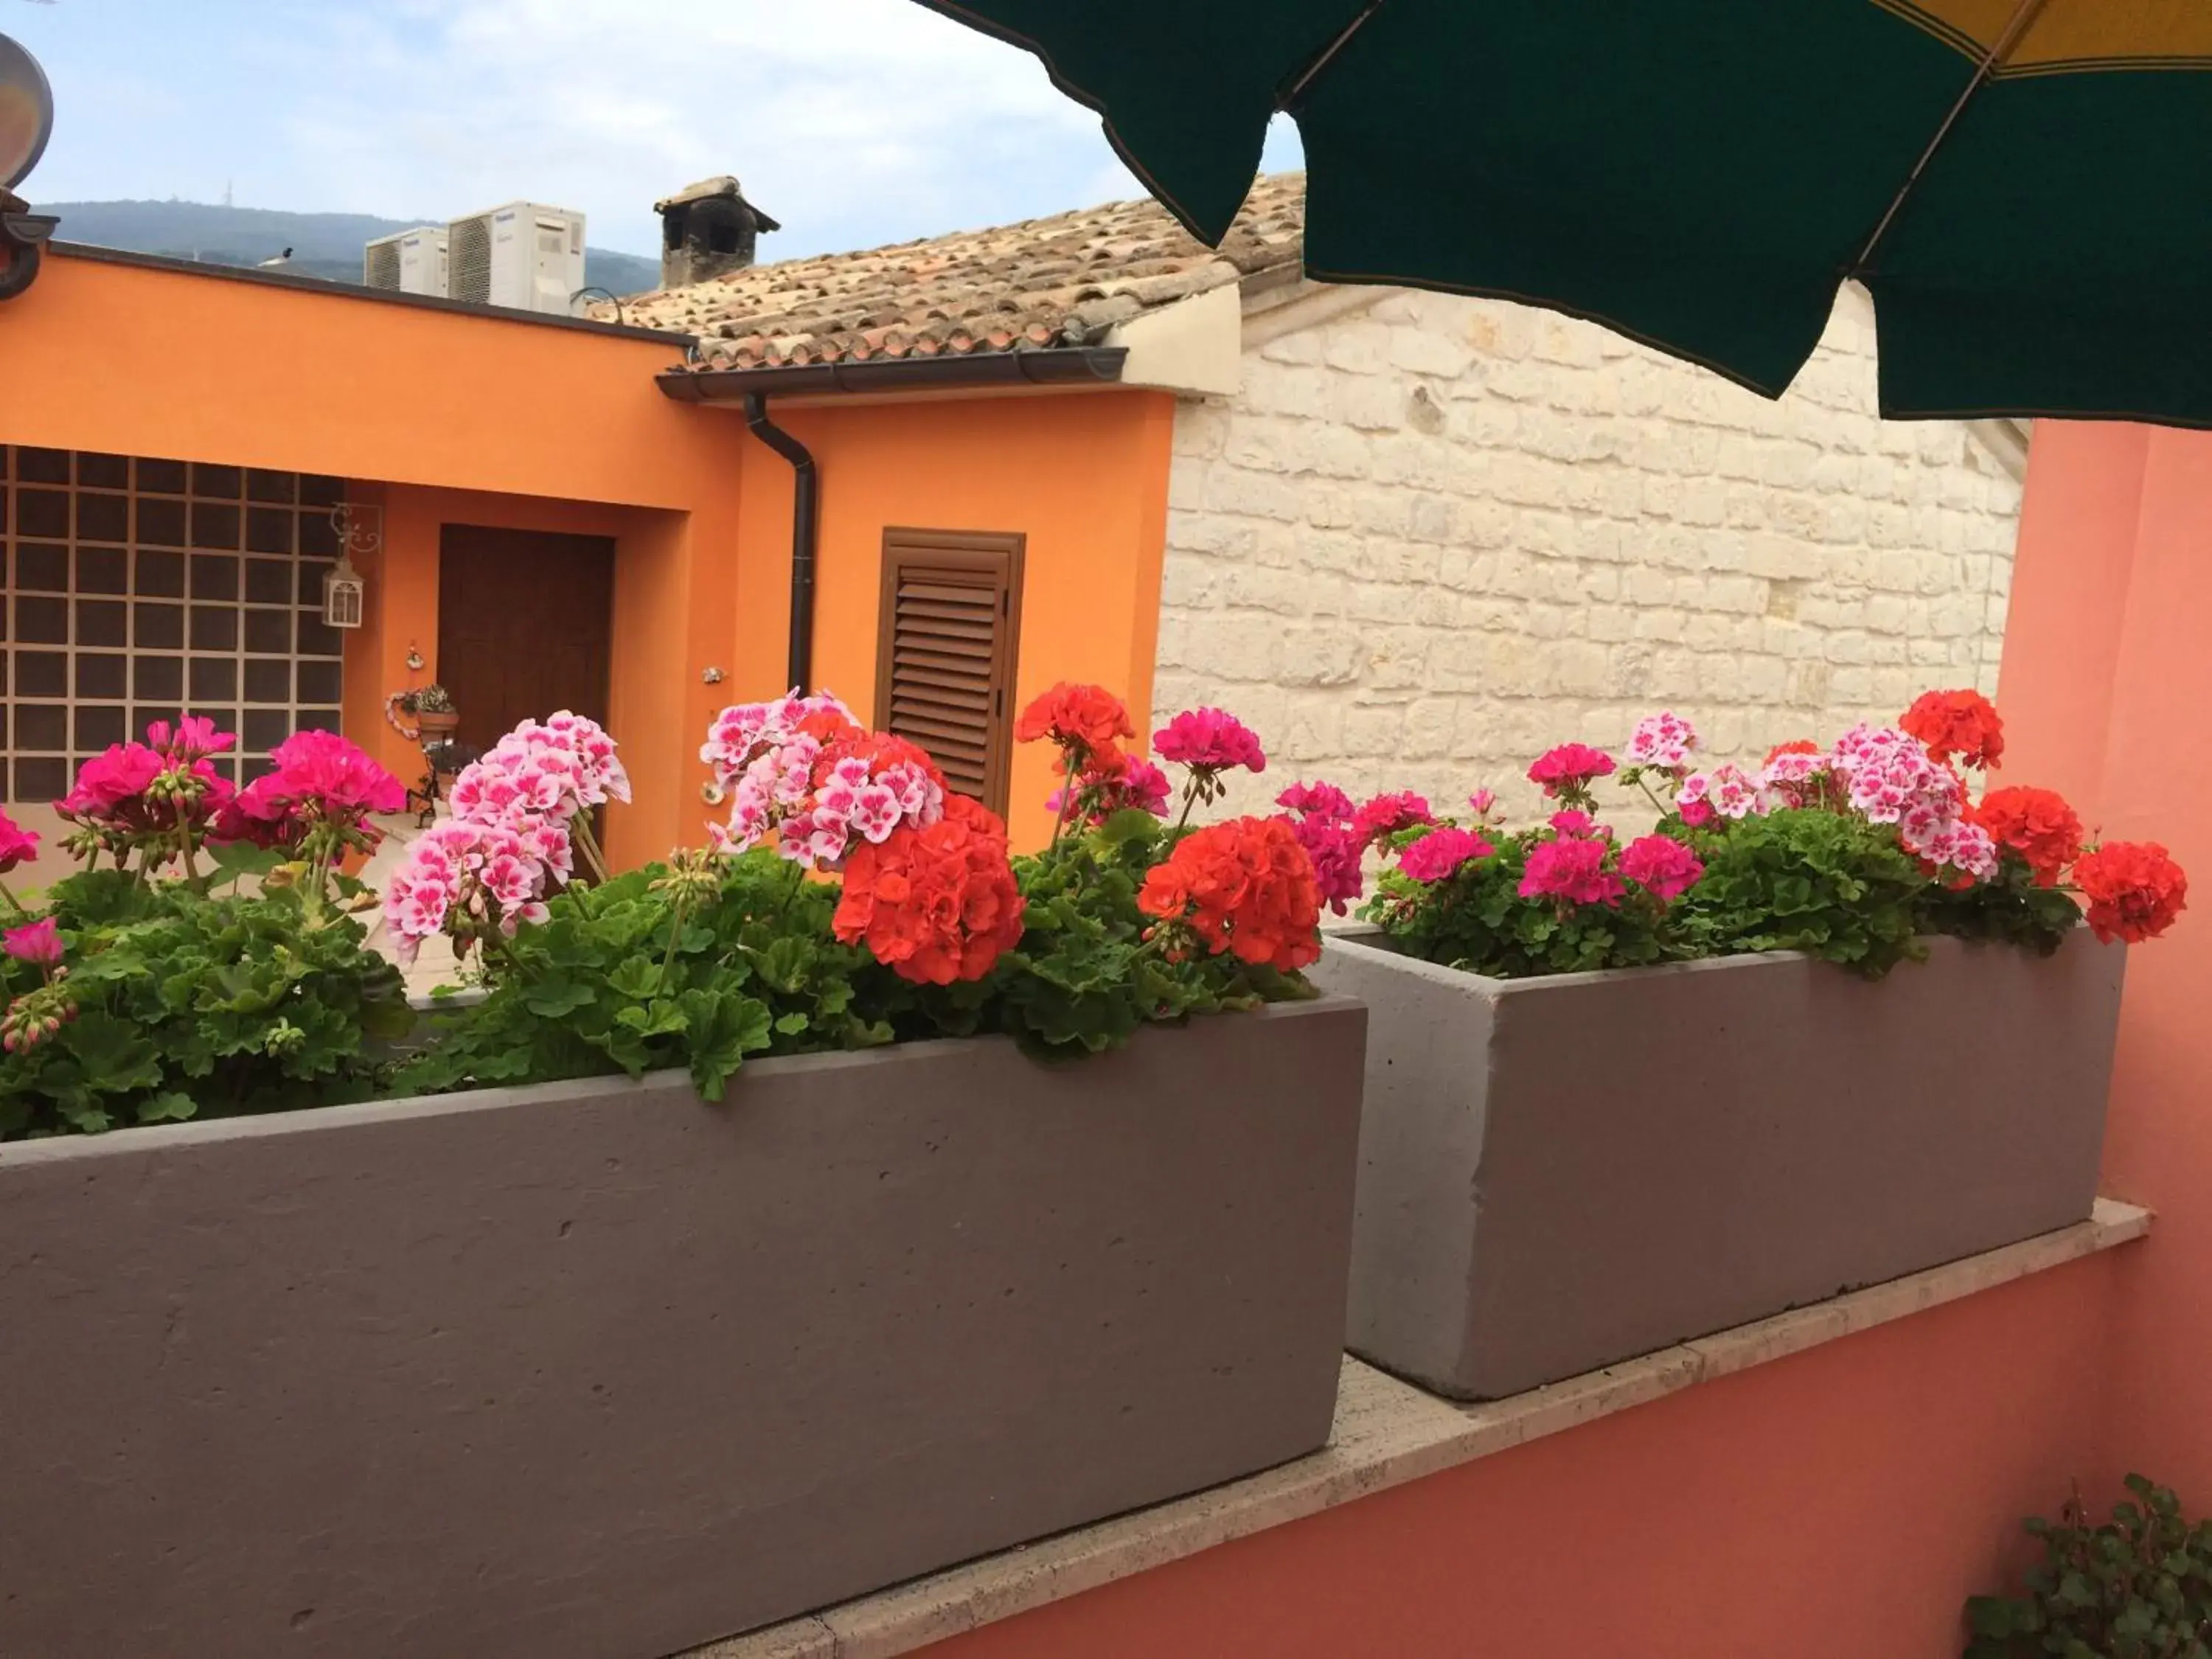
<point>2024,186</point>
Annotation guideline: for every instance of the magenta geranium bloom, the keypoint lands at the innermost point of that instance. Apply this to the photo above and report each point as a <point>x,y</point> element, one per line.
<point>1572,870</point>
<point>1317,800</point>
<point>18,846</point>
<point>1442,854</point>
<point>1209,739</point>
<point>322,766</point>
<point>1661,865</point>
<point>193,738</point>
<point>118,773</point>
<point>1568,767</point>
<point>1386,815</point>
<point>39,942</point>
<point>1334,851</point>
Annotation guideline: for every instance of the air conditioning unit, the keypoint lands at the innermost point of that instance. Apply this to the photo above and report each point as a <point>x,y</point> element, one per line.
<point>523,256</point>
<point>411,262</point>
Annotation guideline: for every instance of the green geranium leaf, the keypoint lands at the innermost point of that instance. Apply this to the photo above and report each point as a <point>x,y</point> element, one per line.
<point>554,997</point>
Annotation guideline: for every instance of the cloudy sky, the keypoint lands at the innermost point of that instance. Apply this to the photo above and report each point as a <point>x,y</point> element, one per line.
<point>855,122</point>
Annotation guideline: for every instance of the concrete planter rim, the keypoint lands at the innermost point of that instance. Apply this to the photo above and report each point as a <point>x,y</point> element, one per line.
<point>116,1142</point>
<point>1365,939</point>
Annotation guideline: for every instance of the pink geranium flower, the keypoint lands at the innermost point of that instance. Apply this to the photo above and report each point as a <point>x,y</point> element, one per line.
<point>18,846</point>
<point>1209,740</point>
<point>39,942</point>
<point>1662,867</point>
<point>1573,870</point>
<point>1574,823</point>
<point>1569,769</point>
<point>1386,815</point>
<point>193,738</point>
<point>120,773</point>
<point>1442,854</point>
<point>1317,800</point>
<point>1334,850</point>
<point>1114,782</point>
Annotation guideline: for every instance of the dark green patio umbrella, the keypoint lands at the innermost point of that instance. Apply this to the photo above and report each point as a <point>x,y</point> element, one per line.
<point>2024,186</point>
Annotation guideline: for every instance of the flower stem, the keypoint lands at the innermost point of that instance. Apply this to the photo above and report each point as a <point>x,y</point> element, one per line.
<point>588,844</point>
<point>14,904</point>
<point>1066,796</point>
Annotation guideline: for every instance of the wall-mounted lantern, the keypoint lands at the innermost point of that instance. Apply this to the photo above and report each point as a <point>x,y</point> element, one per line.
<point>360,527</point>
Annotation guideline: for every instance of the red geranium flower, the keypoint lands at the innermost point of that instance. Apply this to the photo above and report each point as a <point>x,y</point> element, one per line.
<point>1960,726</point>
<point>2135,889</point>
<point>1245,885</point>
<point>2036,823</point>
<point>934,905</point>
<point>1794,746</point>
<point>1087,718</point>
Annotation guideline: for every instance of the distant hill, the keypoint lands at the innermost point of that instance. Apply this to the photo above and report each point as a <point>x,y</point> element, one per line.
<point>325,245</point>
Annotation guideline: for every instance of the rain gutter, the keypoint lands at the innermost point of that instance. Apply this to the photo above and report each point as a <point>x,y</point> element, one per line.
<point>1053,366</point>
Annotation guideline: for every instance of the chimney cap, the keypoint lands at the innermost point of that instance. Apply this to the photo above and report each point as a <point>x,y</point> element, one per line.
<point>722,184</point>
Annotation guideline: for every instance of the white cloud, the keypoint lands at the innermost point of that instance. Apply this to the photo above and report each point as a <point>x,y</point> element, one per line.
<point>854,122</point>
<point>843,118</point>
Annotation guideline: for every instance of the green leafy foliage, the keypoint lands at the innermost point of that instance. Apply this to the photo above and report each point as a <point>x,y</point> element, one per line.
<point>188,1006</point>
<point>2137,1587</point>
<point>1828,884</point>
<point>2012,909</point>
<point>1478,921</point>
<point>1083,978</point>
<point>631,977</point>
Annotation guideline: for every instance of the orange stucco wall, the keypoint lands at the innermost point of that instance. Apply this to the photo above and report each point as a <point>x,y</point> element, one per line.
<point>449,418</point>
<point>1084,476</point>
<point>1841,1503</point>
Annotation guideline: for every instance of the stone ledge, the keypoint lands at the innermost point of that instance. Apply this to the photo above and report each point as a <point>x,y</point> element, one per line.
<point>1387,1433</point>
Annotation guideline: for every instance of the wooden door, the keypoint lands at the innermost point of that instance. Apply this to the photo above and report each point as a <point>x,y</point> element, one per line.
<point>525,626</point>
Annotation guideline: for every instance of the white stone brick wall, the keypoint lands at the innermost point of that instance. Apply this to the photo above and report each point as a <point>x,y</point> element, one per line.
<point>1428,540</point>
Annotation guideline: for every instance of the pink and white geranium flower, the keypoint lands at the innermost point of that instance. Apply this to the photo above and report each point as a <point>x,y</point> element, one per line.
<point>1726,791</point>
<point>471,880</point>
<point>802,776</point>
<point>1665,740</point>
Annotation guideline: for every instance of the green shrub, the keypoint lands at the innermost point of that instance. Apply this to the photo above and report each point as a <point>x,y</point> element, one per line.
<point>175,1006</point>
<point>2137,1587</point>
<point>1828,884</point>
<point>1478,921</point>
<point>643,973</point>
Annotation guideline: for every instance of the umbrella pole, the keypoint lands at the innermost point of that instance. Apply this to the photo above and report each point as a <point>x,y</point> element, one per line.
<point>1290,98</point>
<point>2021,19</point>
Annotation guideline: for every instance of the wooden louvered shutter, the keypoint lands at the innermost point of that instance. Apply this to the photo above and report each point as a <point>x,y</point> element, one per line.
<point>945,676</point>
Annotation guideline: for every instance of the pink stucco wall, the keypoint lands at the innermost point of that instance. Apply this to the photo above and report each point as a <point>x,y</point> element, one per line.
<point>1841,1504</point>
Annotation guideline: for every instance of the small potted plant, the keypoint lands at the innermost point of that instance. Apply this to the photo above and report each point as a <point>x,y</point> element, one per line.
<point>430,708</point>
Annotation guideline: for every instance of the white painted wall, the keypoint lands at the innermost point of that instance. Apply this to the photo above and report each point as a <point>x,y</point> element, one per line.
<point>1426,540</point>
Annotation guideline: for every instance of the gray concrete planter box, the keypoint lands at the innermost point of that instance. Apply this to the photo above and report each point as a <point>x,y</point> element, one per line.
<point>1556,1174</point>
<point>595,1371</point>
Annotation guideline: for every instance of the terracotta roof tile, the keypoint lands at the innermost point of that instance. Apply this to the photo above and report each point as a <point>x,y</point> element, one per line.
<point>1061,281</point>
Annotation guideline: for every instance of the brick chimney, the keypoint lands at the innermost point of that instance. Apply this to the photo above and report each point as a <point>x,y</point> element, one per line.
<point>708,230</point>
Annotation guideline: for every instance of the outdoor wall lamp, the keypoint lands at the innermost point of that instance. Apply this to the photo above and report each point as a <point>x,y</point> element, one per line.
<point>360,527</point>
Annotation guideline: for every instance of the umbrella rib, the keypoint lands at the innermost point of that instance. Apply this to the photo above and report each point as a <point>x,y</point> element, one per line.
<point>1297,87</point>
<point>2022,17</point>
